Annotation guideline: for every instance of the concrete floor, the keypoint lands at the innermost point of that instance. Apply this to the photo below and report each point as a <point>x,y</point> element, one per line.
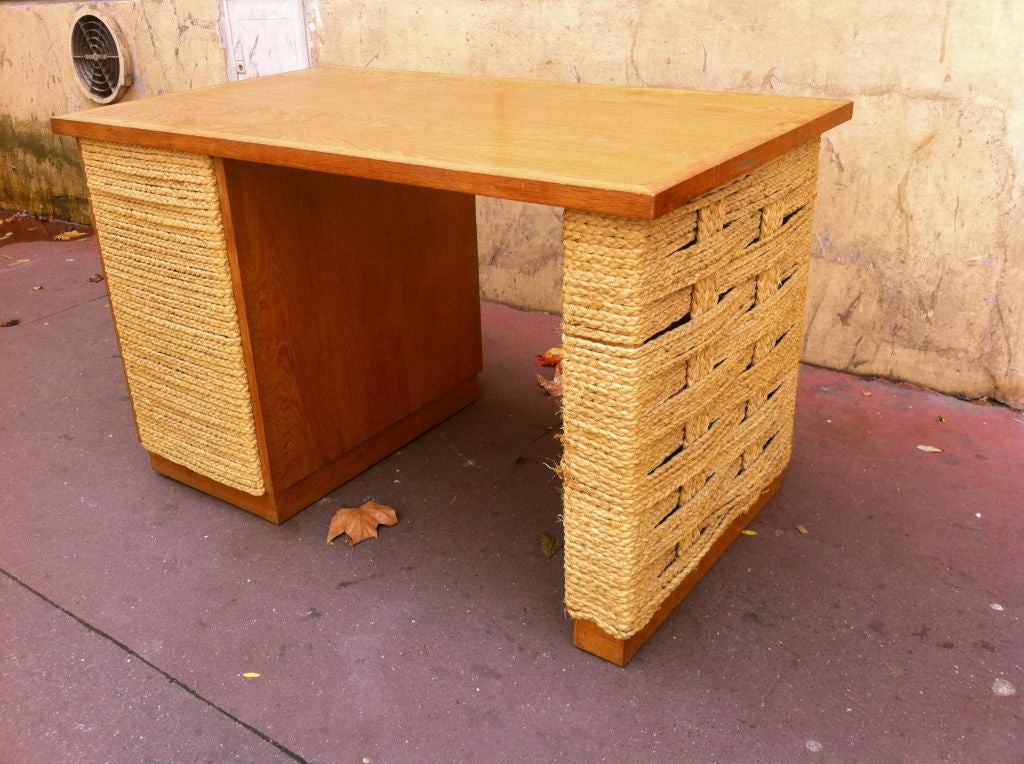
<point>132,607</point>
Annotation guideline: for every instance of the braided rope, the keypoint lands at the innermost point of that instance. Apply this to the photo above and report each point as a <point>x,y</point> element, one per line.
<point>682,338</point>
<point>158,217</point>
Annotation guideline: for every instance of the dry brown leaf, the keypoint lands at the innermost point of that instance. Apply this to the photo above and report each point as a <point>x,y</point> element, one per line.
<point>550,357</point>
<point>553,386</point>
<point>4,323</point>
<point>96,278</point>
<point>930,449</point>
<point>801,528</point>
<point>748,532</point>
<point>548,545</point>
<point>360,523</point>
<point>69,235</point>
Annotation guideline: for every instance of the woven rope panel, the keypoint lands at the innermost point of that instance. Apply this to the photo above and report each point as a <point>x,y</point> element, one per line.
<point>682,338</point>
<point>162,238</point>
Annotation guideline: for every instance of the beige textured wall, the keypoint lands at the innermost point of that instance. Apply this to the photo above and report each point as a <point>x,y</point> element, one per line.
<point>174,45</point>
<point>918,269</point>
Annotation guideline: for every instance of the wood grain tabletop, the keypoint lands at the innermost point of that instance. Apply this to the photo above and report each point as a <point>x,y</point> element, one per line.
<point>622,150</point>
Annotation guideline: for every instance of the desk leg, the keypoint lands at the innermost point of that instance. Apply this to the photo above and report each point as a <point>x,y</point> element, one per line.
<point>161,233</point>
<point>682,339</point>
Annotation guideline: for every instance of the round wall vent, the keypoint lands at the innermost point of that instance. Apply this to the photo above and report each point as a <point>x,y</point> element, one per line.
<point>101,57</point>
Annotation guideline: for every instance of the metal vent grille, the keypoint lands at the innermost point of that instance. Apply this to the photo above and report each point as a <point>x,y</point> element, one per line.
<point>100,58</point>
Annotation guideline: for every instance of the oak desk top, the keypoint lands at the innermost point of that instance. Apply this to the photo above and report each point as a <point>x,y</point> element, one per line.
<point>623,150</point>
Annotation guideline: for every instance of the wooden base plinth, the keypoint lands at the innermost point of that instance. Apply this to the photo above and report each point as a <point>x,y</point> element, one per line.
<point>278,507</point>
<point>593,639</point>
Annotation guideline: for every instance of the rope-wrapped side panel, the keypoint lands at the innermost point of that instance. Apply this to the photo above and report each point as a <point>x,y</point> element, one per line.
<point>162,238</point>
<point>682,337</point>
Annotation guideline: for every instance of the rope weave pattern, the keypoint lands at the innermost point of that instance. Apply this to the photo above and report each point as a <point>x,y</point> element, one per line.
<point>682,337</point>
<point>158,217</point>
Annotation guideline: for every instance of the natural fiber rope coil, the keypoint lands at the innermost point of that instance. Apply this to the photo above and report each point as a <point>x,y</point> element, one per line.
<point>682,338</point>
<point>161,233</point>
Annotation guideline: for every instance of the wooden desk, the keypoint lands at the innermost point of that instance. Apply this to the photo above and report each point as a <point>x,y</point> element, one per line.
<point>292,270</point>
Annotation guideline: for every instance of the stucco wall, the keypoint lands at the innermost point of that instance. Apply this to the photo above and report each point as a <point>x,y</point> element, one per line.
<point>918,268</point>
<point>174,45</point>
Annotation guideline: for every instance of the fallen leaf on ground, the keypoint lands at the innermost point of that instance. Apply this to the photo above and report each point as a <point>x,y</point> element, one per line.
<point>69,235</point>
<point>1003,687</point>
<point>930,449</point>
<point>360,523</point>
<point>553,386</point>
<point>866,393</point>
<point>550,357</point>
<point>14,263</point>
<point>7,235</point>
<point>940,418</point>
<point>548,545</point>
<point>96,277</point>
<point>251,675</point>
<point>10,322</point>
<point>748,532</point>
<point>37,287</point>
<point>801,528</point>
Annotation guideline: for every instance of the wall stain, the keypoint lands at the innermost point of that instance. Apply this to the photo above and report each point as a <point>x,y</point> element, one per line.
<point>40,172</point>
<point>906,216</point>
<point>844,317</point>
<point>832,155</point>
<point>945,32</point>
